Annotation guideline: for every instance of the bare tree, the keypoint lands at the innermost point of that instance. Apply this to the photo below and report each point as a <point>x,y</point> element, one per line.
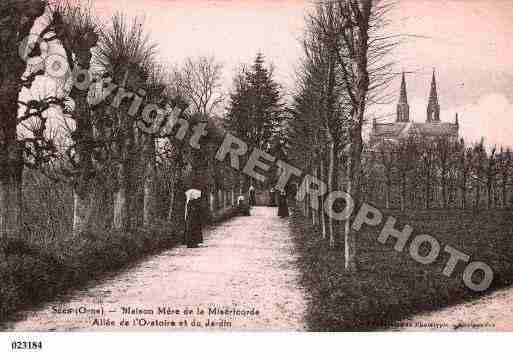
<point>444,150</point>
<point>345,68</point>
<point>125,55</point>
<point>199,81</point>
<point>405,158</point>
<point>387,154</point>
<point>505,167</point>
<point>361,50</point>
<point>491,172</point>
<point>156,93</point>
<point>77,31</point>
<point>478,169</point>
<point>428,158</point>
<point>322,101</point>
<point>464,168</point>
<point>17,19</point>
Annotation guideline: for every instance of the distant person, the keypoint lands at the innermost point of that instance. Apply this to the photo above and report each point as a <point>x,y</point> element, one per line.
<point>272,194</point>
<point>283,207</point>
<point>243,206</point>
<point>193,222</point>
<point>252,196</point>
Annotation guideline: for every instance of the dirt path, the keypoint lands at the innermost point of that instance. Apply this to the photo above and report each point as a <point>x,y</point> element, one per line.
<point>493,312</point>
<point>247,266</point>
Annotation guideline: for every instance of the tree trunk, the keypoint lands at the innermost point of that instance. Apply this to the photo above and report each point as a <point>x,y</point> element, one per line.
<point>11,190</point>
<point>172,196</point>
<point>359,64</point>
<point>211,202</point>
<point>444,191</point>
<point>504,194</point>
<point>85,207</point>
<point>307,202</point>
<point>489,191</point>
<point>388,191</point>
<point>175,180</point>
<point>83,190</point>
<point>464,194</point>
<point>403,193</point>
<point>304,205</point>
<point>15,29</point>
<point>215,198</point>
<point>82,212</point>
<point>102,216</point>
<point>331,188</point>
<point>477,195</point>
<point>123,197</point>
<point>121,205</point>
<point>315,212</point>
<point>121,209</point>
<point>354,189</point>
<point>149,183</point>
<point>322,214</point>
<point>427,193</point>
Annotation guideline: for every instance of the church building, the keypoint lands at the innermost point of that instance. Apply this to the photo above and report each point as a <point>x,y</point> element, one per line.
<point>403,127</point>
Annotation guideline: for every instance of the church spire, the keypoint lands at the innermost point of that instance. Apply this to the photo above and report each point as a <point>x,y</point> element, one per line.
<point>403,109</point>
<point>404,97</point>
<point>433,109</point>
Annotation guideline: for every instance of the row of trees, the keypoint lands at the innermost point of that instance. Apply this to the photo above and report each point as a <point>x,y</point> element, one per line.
<point>443,173</point>
<point>344,70</point>
<point>89,138</point>
<point>74,130</point>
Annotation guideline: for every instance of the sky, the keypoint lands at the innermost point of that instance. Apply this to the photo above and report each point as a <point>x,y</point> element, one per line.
<point>469,43</point>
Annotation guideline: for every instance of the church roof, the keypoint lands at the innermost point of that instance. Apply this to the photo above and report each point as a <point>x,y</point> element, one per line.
<point>402,130</point>
<point>389,129</point>
<point>437,129</point>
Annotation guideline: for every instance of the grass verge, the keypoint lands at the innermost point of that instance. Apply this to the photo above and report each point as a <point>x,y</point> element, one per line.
<point>31,273</point>
<point>390,286</point>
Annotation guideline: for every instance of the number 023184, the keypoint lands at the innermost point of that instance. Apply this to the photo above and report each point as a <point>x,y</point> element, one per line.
<point>21,345</point>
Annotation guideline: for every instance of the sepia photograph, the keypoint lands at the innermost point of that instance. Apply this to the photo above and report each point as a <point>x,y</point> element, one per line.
<point>224,166</point>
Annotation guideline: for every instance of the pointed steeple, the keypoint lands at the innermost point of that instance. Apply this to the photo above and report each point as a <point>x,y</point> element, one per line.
<point>433,96</point>
<point>403,109</point>
<point>404,97</point>
<point>433,109</point>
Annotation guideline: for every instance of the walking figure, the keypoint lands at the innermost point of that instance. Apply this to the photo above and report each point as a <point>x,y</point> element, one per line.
<point>283,208</point>
<point>193,222</point>
<point>272,194</point>
<point>252,196</point>
<point>243,206</point>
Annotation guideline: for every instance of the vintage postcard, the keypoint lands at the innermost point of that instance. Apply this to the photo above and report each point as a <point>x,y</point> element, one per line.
<point>226,166</point>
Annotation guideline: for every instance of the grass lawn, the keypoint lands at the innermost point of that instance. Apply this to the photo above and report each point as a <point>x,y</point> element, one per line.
<point>389,285</point>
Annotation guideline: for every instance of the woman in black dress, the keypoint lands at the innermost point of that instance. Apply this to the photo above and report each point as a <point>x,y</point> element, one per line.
<point>272,195</point>
<point>283,208</point>
<point>193,224</point>
<point>252,196</point>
